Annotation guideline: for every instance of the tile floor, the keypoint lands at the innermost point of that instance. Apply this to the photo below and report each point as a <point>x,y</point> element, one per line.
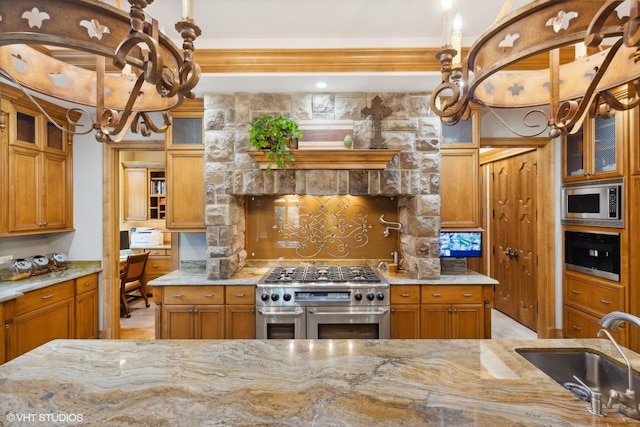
<point>141,324</point>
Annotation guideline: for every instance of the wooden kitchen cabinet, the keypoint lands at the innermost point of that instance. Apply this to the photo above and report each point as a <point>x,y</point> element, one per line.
<point>405,312</point>
<point>39,193</point>
<point>459,189</point>
<point>596,150</point>
<point>38,317</point>
<point>185,202</point>
<point>191,312</point>
<point>586,300</point>
<point>144,191</point>
<point>158,264</point>
<point>240,312</point>
<point>452,312</point>
<point>87,307</point>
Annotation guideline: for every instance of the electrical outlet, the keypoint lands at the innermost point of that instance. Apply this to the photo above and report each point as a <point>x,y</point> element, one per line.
<point>5,258</point>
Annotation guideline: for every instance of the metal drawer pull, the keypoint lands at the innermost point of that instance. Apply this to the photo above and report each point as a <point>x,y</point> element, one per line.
<point>240,295</point>
<point>467,295</point>
<point>436,295</point>
<point>178,295</point>
<point>405,295</point>
<point>47,296</point>
<point>604,301</point>
<point>209,295</point>
<point>577,328</point>
<point>89,283</point>
<point>573,291</point>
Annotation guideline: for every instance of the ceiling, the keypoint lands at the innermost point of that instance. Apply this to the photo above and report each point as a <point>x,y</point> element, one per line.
<point>326,24</point>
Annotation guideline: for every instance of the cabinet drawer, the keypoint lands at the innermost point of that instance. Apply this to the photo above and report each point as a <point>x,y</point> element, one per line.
<point>158,265</point>
<point>578,324</point>
<point>405,294</point>
<point>157,252</point>
<point>240,294</point>
<point>594,296</point>
<point>451,294</point>
<point>86,283</point>
<point>42,298</point>
<point>193,295</point>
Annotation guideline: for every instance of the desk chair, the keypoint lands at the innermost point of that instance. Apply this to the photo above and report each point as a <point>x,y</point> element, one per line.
<point>132,280</point>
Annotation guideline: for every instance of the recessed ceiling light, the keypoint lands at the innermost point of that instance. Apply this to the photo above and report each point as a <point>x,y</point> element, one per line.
<point>321,85</point>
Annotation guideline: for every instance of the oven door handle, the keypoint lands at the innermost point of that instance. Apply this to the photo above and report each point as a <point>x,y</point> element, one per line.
<point>373,312</point>
<point>266,311</point>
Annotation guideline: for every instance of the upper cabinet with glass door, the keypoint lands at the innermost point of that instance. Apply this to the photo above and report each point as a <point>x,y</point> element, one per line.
<point>596,150</point>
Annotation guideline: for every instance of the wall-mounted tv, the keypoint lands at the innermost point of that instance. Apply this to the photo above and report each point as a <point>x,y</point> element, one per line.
<point>459,244</point>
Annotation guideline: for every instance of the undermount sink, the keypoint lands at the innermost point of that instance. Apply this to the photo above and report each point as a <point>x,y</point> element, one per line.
<point>597,371</point>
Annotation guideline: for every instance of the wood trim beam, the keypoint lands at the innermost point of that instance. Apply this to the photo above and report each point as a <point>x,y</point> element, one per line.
<point>418,59</point>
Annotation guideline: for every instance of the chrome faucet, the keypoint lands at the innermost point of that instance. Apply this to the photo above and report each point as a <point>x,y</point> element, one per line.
<point>628,401</point>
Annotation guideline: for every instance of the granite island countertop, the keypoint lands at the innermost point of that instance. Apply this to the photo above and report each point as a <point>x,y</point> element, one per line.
<point>12,289</point>
<point>295,382</point>
<point>251,275</point>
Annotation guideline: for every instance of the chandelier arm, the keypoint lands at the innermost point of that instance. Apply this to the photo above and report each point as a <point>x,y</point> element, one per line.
<point>524,121</point>
<point>150,124</point>
<point>110,122</point>
<point>593,37</point>
<point>616,104</point>
<point>4,73</point>
<point>153,63</point>
<point>575,120</point>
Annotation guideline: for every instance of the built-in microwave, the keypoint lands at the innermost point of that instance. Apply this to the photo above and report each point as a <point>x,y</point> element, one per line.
<point>597,203</point>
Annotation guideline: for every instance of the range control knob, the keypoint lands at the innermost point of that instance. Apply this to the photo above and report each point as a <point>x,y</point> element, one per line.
<point>286,297</point>
<point>370,296</point>
<point>358,296</point>
<point>380,296</point>
<point>265,297</point>
<point>275,297</point>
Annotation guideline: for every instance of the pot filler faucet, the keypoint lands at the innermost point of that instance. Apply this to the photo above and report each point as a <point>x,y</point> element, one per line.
<point>628,401</point>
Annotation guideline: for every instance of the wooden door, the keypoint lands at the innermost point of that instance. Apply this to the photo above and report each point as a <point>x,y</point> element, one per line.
<point>87,310</point>
<point>24,189</point>
<point>514,225</point>
<point>135,194</point>
<point>178,322</point>
<point>467,321</point>
<point>435,321</point>
<point>209,322</point>
<point>405,321</point>
<point>57,192</point>
<point>240,322</point>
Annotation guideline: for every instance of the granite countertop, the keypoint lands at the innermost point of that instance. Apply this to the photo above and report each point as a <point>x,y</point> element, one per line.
<point>12,289</point>
<point>295,382</point>
<point>250,276</point>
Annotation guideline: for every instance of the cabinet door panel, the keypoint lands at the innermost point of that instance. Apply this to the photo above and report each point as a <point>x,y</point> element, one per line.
<point>210,322</point>
<point>185,190</point>
<point>467,321</point>
<point>240,322</point>
<point>87,315</point>
<point>178,322</point>
<point>41,326</point>
<point>435,321</point>
<point>24,202</point>
<point>405,321</point>
<point>56,192</point>
<point>459,174</point>
<point>135,196</point>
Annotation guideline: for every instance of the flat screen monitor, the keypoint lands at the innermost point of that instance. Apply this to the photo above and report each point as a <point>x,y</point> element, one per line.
<point>459,244</point>
<point>124,239</point>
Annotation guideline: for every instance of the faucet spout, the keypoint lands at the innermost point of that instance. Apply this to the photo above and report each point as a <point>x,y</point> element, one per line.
<point>613,320</point>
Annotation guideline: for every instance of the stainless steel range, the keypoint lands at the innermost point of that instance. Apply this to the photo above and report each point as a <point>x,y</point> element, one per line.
<point>322,302</point>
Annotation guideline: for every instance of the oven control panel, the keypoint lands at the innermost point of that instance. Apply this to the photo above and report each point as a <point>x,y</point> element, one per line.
<point>296,296</point>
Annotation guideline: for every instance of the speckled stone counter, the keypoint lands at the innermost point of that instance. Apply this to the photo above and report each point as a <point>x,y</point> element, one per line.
<point>326,382</point>
<point>10,290</point>
<point>250,276</point>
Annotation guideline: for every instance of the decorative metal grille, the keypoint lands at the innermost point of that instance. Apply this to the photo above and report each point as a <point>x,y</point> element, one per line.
<point>605,148</point>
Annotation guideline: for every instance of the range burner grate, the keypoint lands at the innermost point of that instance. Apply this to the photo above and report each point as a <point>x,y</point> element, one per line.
<point>318,274</point>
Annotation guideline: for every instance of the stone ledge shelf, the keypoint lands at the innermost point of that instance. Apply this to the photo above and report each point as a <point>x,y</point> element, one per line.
<point>332,159</point>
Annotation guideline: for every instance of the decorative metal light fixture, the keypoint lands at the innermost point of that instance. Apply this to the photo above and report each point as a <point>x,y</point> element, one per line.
<point>573,91</point>
<point>162,76</point>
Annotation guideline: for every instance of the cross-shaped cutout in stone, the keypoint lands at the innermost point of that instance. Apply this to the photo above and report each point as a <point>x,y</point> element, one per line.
<point>377,111</point>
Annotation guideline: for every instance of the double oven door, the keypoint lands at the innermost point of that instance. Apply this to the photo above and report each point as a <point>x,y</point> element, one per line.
<point>323,322</point>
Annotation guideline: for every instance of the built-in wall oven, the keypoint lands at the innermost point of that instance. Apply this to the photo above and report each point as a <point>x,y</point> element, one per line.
<point>322,302</point>
<point>597,254</point>
<point>595,203</point>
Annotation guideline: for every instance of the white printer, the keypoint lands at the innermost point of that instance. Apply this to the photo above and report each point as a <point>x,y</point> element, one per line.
<point>146,236</point>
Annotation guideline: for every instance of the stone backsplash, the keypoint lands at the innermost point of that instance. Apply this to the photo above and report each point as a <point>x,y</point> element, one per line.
<point>413,175</point>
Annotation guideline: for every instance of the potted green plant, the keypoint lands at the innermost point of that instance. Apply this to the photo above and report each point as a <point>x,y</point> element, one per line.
<point>276,134</point>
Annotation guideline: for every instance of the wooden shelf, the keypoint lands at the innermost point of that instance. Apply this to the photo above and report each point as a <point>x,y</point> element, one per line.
<point>332,159</point>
